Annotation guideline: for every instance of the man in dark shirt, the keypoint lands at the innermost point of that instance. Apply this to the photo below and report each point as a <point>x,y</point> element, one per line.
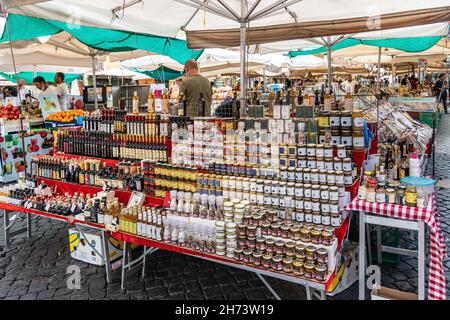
<point>440,91</point>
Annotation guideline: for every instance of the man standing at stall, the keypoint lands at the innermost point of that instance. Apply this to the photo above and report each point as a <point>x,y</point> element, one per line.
<point>440,91</point>
<point>197,91</point>
<point>348,86</point>
<point>61,90</point>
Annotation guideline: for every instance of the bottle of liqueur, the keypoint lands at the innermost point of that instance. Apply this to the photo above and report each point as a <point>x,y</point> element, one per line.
<point>135,103</point>
<point>151,101</point>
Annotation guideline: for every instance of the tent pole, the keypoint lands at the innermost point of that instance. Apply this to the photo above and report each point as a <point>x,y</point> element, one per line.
<point>379,66</point>
<point>94,82</point>
<point>330,71</point>
<point>243,81</point>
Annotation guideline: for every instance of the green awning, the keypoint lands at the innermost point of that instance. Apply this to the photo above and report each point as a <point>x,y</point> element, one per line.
<point>413,44</point>
<point>29,76</point>
<point>160,74</point>
<point>28,28</point>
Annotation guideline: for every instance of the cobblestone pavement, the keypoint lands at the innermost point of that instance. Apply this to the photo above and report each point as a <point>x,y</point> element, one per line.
<point>36,268</point>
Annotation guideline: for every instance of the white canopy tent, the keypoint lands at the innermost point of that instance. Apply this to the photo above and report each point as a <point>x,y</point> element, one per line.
<point>219,23</point>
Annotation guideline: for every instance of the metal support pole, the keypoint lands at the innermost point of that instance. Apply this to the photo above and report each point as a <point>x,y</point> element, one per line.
<point>106,256</point>
<point>268,286</point>
<point>379,67</point>
<point>28,226</point>
<point>362,255</point>
<point>94,81</point>
<point>124,264</point>
<point>421,260</point>
<point>330,68</point>
<point>243,82</point>
<point>5,226</point>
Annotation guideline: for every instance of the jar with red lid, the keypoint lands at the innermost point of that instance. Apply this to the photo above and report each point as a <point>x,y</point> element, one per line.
<point>270,245</point>
<point>267,261</point>
<point>277,264</point>
<point>279,247</point>
<point>289,248</point>
<point>311,254</point>
<point>261,244</point>
<point>287,265</point>
<point>256,258</point>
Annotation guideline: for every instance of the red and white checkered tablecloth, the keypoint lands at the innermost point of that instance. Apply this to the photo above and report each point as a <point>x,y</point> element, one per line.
<point>438,250</point>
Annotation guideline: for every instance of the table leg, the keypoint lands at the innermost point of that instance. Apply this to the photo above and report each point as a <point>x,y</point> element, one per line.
<point>268,286</point>
<point>421,260</point>
<point>29,226</point>
<point>6,226</point>
<point>308,293</point>
<point>362,255</point>
<point>143,262</point>
<point>379,244</point>
<point>106,256</point>
<point>124,265</point>
<point>369,244</point>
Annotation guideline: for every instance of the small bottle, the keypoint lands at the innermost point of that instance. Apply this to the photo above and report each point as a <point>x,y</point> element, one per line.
<point>135,103</point>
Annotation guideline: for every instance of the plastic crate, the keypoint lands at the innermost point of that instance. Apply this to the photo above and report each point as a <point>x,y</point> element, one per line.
<point>427,117</point>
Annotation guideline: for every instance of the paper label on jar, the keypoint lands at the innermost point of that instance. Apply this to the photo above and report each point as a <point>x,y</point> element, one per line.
<point>299,192</point>
<point>339,180</point>
<point>307,193</point>
<point>290,191</point>
<point>308,217</point>
<point>346,121</point>
<point>299,204</point>
<point>325,220</point>
<point>358,142</point>
<point>281,214</point>
<point>320,165</point>
<point>337,166</point>
<point>316,206</point>
<point>308,205</point>
<point>346,166</point>
<point>306,177</point>
<point>335,121</point>
<point>300,216</point>
<point>358,122</point>
<point>334,208</point>
<point>331,179</point>
<point>275,201</point>
<point>336,221</point>
<point>325,207</point>
<point>334,196</point>
<point>301,151</point>
<point>317,219</point>
<point>348,180</point>
<point>260,200</point>
<point>347,141</point>
<point>324,194</point>
<point>299,176</point>
<point>315,194</point>
<point>328,165</point>
<point>302,164</point>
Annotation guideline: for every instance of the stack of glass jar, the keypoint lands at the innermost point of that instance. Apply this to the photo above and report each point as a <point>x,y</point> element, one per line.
<point>171,177</point>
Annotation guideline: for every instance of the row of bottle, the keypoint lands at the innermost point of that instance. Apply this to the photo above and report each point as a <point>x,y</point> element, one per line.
<point>124,176</point>
<point>113,146</point>
<point>105,120</point>
<point>395,162</point>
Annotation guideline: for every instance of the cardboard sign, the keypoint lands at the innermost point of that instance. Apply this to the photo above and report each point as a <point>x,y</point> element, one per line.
<point>49,103</point>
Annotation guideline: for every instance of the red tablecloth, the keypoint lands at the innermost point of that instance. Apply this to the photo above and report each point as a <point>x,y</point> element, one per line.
<point>438,250</point>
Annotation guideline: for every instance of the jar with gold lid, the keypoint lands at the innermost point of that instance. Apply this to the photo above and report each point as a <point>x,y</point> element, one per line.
<point>329,164</point>
<point>287,265</point>
<point>320,272</point>
<point>305,235</point>
<point>300,251</point>
<point>294,233</point>
<point>327,237</point>
<point>289,248</point>
<point>311,253</point>
<point>297,268</point>
<point>309,272</point>
<point>316,236</point>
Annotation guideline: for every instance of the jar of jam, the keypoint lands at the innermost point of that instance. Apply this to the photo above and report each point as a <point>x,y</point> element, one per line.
<point>316,236</point>
<point>289,248</point>
<point>307,175</point>
<point>305,235</point>
<point>256,258</point>
<point>247,256</point>
<point>328,151</point>
<point>251,231</point>
<point>358,141</point>
<point>279,247</point>
<point>287,265</point>
<point>265,228</point>
<point>309,270</point>
<point>335,119</point>
<point>275,229</point>
<point>251,243</point>
<point>260,244</point>
<point>325,218</point>
<point>294,233</point>
<point>242,230</point>
<point>311,253</point>
<point>329,164</point>
<point>238,254</point>
<point>346,120</point>
<point>297,268</point>
<point>335,219</point>
<point>322,256</point>
<point>284,231</point>
<point>320,163</point>
<point>323,177</point>
<point>267,261</point>
<point>327,237</point>
<point>301,150</point>
<point>277,264</point>
<point>270,248</point>
<point>242,241</point>
<point>311,150</point>
<point>320,272</point>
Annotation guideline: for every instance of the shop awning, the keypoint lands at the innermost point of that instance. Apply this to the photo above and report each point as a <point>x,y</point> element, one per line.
<point>24,27</point>
<point>29,76</point>
<point>160,74</point>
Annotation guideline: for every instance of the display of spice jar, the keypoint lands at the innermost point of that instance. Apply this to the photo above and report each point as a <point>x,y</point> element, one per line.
<point>322,256</point>
<point>287,264</point>
<point>320,272</point>
<point>309,270</point>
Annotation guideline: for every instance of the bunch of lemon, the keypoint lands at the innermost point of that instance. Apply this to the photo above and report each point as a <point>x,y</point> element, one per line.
<point>65,116</point>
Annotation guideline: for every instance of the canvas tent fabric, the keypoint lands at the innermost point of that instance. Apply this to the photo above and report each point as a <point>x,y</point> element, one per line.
<point>29,76</point>
<point>160,74</point>
<point>29,28</point>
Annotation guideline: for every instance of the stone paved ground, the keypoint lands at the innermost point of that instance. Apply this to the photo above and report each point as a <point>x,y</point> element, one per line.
<point>36,268</point>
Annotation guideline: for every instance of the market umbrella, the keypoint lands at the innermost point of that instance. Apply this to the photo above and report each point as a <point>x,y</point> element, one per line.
<point>160,74</point>
<point>29,76</point>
